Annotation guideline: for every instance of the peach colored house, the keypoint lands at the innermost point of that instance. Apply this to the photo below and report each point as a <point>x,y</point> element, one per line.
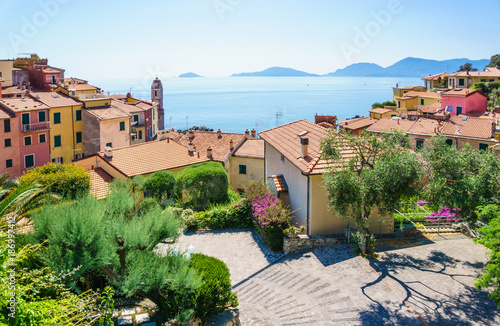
<point>463,101</point>
<point>34,126</point>
<point>356,125</point>
<point>9,144</point>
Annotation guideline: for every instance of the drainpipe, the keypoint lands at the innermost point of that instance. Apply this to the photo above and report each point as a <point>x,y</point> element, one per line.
<point>308,205</point>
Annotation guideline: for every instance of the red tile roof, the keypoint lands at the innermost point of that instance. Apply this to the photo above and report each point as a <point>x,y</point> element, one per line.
<point>126,107</point>
<point>390,125</point>
<point>220,143</point>
<point>433,108</point>
<point>436,77</point>
<point>54,100</point>
<point>461,92</point>
<point>279,183</point>
<point>18,104</point>
<point>488,72</point>
<point>381,110</point>
<point>99,183</point>
<point>469,127</point>
<point>251,147</point>
<point>108,113</point>
<point>357,123</point>
<point>413,94</point>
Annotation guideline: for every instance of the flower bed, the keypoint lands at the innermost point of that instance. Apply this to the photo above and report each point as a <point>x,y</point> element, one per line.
<point>446,216</point>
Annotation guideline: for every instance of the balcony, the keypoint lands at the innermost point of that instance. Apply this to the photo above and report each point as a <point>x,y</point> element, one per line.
<point>35,126</point>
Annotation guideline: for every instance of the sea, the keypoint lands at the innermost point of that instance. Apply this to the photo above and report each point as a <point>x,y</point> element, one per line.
<point>234,104</point>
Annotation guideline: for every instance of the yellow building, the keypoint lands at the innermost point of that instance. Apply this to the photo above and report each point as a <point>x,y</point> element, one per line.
<point>465,79</point>
<point>386,112</point>
<point>66,121</point>
<point>414,101</point>
<point>400,91</point>
<point>6,67</point>
<point>247,163</point>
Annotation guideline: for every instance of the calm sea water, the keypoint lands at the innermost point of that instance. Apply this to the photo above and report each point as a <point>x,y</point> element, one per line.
<point>234,104</point>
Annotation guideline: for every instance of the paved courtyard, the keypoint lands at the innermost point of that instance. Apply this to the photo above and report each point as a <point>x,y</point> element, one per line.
<point>423,281</point>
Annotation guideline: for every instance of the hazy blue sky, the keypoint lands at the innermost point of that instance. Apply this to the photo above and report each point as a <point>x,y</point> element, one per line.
<point>137,39</point>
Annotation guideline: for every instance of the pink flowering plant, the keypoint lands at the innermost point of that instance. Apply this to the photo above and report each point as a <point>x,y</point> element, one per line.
<point>270,216</point>
<point>446,216</point>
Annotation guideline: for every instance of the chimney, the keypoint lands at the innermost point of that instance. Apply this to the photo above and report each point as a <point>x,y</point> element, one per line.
<point>247,133</point>
<point>304,142</point>
<point>168,133</point>
<point>253,133</point>
<point>191,133</point>
<point>209,152</point>
<point>129,95</point>
<point>219,133</point>
<point>397,85</point>
<point>190,146</point>
<point>231,145</point>
<point>108,152</point>
<point>194,148</point>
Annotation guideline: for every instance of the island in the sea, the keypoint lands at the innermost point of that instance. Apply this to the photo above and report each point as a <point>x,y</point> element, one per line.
<point>189,75</point>
<point>276,72</point>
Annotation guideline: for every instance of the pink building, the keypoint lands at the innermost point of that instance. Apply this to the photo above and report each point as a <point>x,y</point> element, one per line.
<point>463,101</point>
<point>30,120</point>
<point>9,144</point>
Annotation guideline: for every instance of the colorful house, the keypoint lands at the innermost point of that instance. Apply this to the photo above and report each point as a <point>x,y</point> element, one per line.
<point>246,164</point>
<point>9,144</point>
<point>436,81</point>
<point>463,101</point>
<point>137,122</point>
<point>356,125</point>
<point>400,91</point>
<point>66,132</point>
<point>6,67</point>
<point>385,112</point>
<point>151,116</point>
<point>414,101</point>
<point>294,166</point>
<point>34,126</point>
<point>465,79</point>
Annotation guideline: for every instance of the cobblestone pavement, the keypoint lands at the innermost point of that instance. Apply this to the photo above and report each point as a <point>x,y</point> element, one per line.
<point>332,286</point>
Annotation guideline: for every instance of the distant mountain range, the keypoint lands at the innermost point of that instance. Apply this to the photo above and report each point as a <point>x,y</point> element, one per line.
<point>408,67</point>
<point>189,75</point>
<point>276,72</point>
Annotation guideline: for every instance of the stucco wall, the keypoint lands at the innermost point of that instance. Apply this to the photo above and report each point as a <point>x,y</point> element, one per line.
<point>6,70</point>
<point>91,134</point>
<point>110,132</point>
<point>254,171</point>
<point>11,152</point>
<point>297,183</point>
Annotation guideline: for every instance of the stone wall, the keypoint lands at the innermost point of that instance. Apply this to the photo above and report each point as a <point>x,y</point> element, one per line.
<point>308,242</point>
<point>229,317</point>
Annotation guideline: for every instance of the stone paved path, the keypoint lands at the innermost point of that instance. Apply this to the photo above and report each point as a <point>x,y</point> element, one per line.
<point>332,286</point>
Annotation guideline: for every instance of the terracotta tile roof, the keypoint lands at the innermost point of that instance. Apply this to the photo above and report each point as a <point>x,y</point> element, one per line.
<point>436,77</point>
<point>82,87</point>
<point>51,71</point>
<point>150,157</point>
<point>326,125</point>
<point>460,92</point>
<point>410,87</point>
<point>108,113</point>
<point>478,114</point>
<point>380,110</point>
<point>99,183</point>
<point>286,140</point>
<point>145,105</point>
<point>390,125</point>
<point>413,94</point>
<point>73,80</point>
<point>22,104</point>
<point>4,114</point>
<point>488,72</point>
<point>251,147</point>
<point>279,183</point>
<point>433,108</point>
<point>219,143</point>
<point>357,123</point>
<point>118,96</point>
<point>425,127</point>
<point>13,90</point>
<point>468,127</point>
<point>125,107</point>
<point>54,100</point>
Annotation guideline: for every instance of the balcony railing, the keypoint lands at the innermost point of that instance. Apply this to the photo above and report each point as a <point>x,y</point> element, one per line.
<point>35,126</point>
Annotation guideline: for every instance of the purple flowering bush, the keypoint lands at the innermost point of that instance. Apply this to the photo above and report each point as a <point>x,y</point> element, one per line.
<point>270,215</point>
<point>445,216</point>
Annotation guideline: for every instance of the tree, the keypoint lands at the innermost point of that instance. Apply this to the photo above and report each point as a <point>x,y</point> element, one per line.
<point>491,239</point>
<point>467,67</point>
<point>202,184</point>
<point>383,104</point>
<point>368,172</point>
<point>464,179</point>
<point>63,179</point>
<point>160,185</point>
<point>495,60</point>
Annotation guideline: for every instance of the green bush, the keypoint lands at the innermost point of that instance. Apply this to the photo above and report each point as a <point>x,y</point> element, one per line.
<point>147,204</point>
<point>63,179</point>
<point>159,185</point>
<point>202,184</point>
<point>215,292</point>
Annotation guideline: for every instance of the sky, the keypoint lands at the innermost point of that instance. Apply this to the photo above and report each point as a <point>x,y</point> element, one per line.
<point>141,39</point>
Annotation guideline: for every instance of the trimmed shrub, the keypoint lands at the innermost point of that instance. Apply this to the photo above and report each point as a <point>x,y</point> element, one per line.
<point>215,292</point>
<point>63,179</point>
<point>148,204</point>
<point>160,185</point>
<point>202,184</point>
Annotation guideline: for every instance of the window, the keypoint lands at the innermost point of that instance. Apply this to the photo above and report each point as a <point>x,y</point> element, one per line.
<point>109,144</point>
<point>449,142</point>
<point>79,137</point>
<point>282,158</point>
<point>8,163</point>
<point>29,161</point>
<point>27,140</point>
<point>420,144</point>
<point>42,138</point>
<point>492,80</point>
<point>57,118</point>
<point>57,141</point>
<point>483,80</point>
<point>122,125</point>
<point>243,169</point>
<point>78,115</point>
<point>154,130</point>
<point>156,93</point>
<point>79,156</point>
<point>483,147</point>
<point>25,117</point>
<point>41,116</point>
<point>422,101</point>
<point>399,104</point>
<point>6,125</point>
<point>136,118</point>
<point>461,82</point>
<point>153,112</point>
<point>140,134</point>
<point>57,160</point>
<point>459,110</point>
<point>54,79</point>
